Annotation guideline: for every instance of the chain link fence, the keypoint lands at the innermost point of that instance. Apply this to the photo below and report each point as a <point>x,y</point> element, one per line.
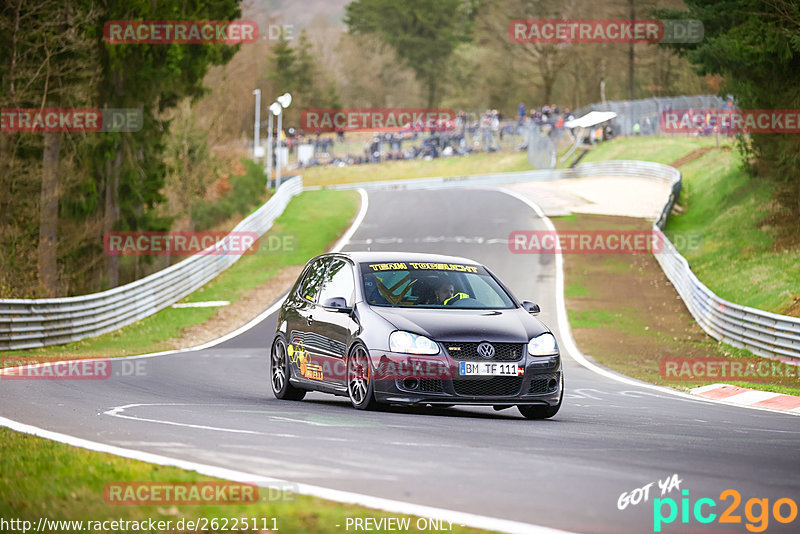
<point>541,146</point>
<point>646,112</point>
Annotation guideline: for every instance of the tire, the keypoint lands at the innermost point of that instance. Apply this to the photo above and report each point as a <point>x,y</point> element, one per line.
<point>360,386</point>
<point>538,412</point>
<point>280,371</point>
<point>542,412</point>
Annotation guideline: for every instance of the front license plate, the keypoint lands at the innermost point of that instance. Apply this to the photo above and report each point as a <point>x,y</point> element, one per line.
<point>487,369</point>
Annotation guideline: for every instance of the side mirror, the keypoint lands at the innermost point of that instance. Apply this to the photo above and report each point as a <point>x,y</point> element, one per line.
<point>336,304</point>
<point>530,307</point>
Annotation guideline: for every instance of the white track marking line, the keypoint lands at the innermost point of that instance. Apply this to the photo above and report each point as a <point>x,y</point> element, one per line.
<point>389,505</point>
<point>566,332</point>
<point>165,444</point>
<point>291,420</point>
<point>117,412</point>
<point>362,212</point>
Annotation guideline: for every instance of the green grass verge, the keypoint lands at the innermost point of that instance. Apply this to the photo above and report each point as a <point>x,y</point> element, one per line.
<point>735,237</point>
<point>311,222</point>
<point>575,290</point>
<point>625,315</point>
<point>41,478</point>
<point>657,149</point>
<point>481,163</point>
<point>748,252</point>
<point>623,319</point>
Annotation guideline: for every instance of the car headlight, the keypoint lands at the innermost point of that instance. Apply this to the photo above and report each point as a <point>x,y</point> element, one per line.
<point>409,343</point>
<point>543,345</point>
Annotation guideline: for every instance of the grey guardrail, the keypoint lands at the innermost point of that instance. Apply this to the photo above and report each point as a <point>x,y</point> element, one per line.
<point>29,323</point>
<point>763,333</point>
<point>641,169</point>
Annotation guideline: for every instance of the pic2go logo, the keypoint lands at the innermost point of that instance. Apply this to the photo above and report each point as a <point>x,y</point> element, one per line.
<point>756,511</point>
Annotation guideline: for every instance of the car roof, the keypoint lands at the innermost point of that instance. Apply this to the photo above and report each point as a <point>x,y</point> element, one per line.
<point>360,257</point>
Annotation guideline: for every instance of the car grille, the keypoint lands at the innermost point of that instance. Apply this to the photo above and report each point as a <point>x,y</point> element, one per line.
<point>430,386</point>
<point>504,352</point>
<point>493,386</point>
<point>541,383</point>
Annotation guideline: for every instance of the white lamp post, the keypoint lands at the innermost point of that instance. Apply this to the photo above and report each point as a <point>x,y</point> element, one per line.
<point>274,109</point>
<point>283,101</point>
<point>257,125</point>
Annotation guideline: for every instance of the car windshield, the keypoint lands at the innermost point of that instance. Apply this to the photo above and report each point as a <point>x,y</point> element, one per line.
<point>432,285</point>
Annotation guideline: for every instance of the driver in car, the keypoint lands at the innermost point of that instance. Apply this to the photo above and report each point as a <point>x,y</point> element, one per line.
<point>445,293</point>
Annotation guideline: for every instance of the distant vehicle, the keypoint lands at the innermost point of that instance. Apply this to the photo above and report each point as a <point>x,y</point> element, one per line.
<point>423,329</point>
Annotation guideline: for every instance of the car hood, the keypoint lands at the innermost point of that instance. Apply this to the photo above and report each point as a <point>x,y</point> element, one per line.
<point>510,326</point>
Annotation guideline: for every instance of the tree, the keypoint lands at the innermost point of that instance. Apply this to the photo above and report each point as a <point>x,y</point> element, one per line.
<point>389,83</point>
<point>154,78</point>
<point>548,59</point>
<point>755,46</point>
<point>296,70</point>
<point>51,63</point>
<point>52,54</point>
<point>423,33</point>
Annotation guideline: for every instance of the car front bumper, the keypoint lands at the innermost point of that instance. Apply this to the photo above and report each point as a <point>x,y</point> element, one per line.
<point>411,379</point>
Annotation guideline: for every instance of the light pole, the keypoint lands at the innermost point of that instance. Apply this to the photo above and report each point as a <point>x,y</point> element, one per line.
<point>257,125</point>
<point>274,109</point>
<point>283,101</point>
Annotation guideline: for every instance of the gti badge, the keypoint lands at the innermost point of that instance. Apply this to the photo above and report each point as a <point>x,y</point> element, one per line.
<point>486,350</point>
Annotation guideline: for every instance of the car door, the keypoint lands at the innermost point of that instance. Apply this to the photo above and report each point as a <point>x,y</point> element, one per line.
<point>336,326</point>
<point>304,346</point>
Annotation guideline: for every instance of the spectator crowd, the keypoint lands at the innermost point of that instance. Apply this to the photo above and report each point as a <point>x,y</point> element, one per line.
<point>465,134</point>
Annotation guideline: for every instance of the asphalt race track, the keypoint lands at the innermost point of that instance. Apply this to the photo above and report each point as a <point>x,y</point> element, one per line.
<point>215,407</point>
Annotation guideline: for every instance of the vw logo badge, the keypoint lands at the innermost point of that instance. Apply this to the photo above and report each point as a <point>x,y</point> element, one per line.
<point>486,350</point>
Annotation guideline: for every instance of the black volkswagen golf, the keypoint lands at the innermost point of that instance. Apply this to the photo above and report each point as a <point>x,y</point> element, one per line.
<point>403,328</point>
